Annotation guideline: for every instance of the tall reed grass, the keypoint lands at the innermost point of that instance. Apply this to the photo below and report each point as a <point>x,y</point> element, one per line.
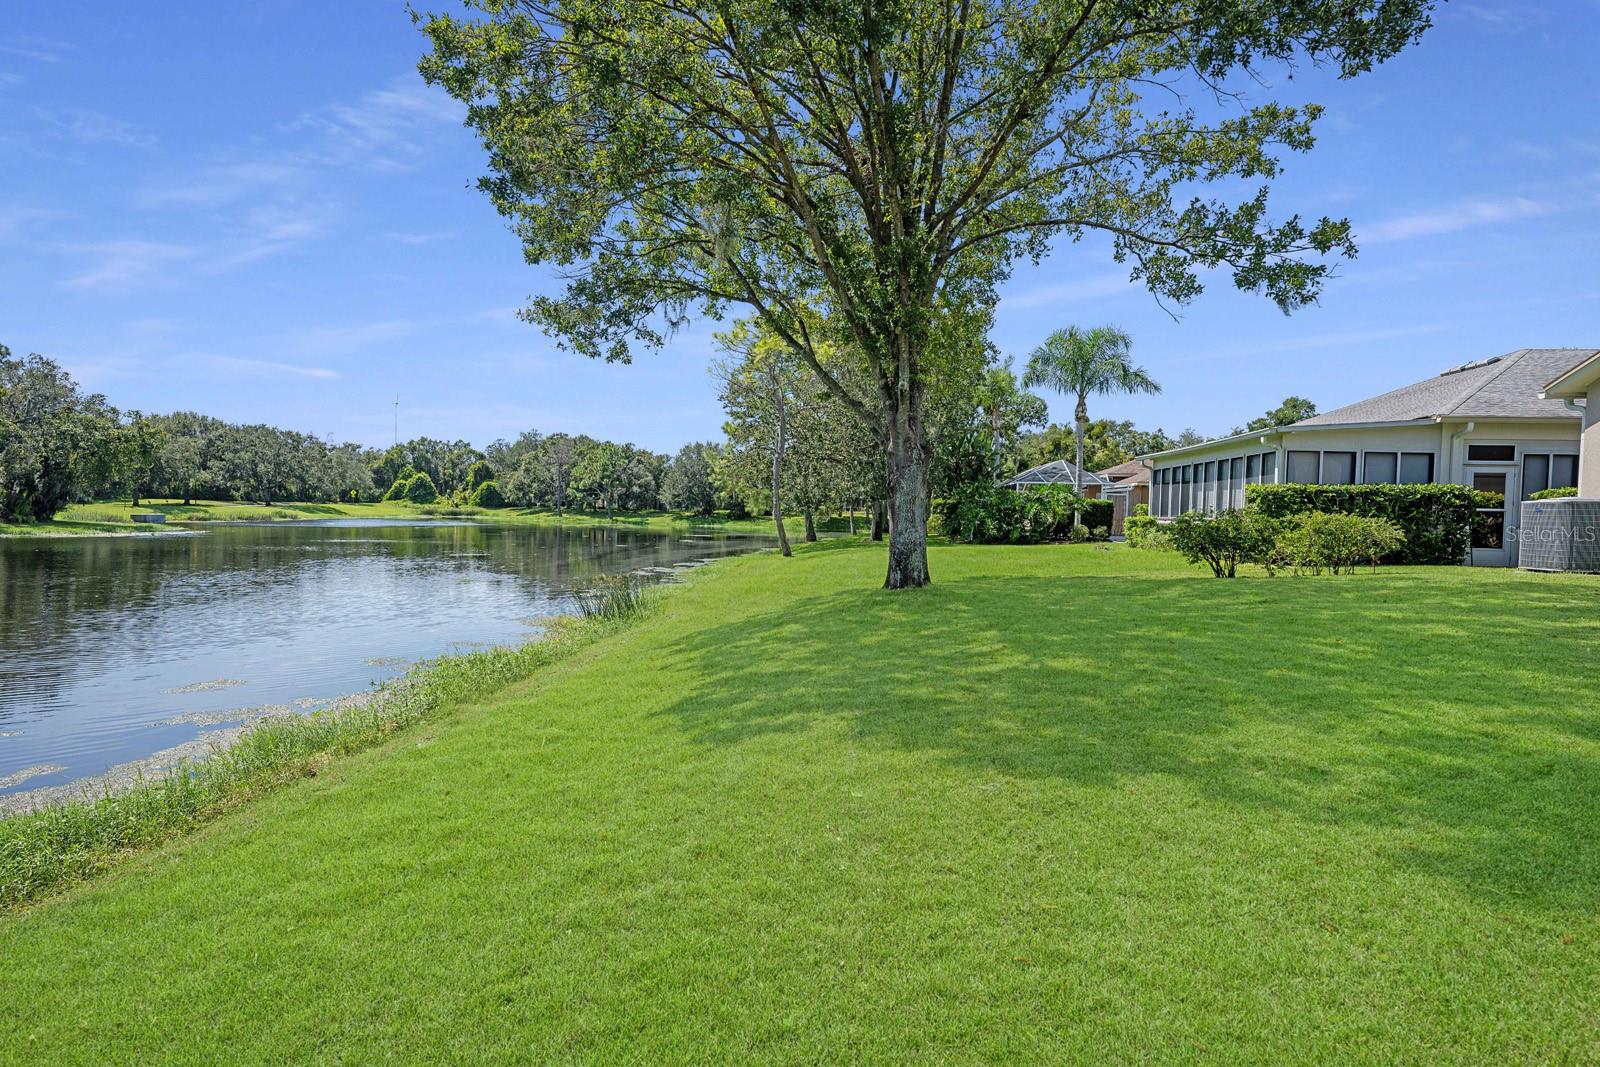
<point>614,598</point>
<point>45,850</point>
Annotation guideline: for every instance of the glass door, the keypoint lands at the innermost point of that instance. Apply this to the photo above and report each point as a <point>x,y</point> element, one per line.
<point>1491,540</point>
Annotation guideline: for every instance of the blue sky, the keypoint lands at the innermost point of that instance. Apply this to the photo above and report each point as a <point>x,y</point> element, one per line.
<point>258,211</point>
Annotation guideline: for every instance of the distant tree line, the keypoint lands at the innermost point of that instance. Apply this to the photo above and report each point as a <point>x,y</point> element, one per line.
<point>60,445</point>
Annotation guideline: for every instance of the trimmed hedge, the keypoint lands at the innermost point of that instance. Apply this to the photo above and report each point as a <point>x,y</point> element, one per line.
<point>1557,493</point>
<point>1436,519</point>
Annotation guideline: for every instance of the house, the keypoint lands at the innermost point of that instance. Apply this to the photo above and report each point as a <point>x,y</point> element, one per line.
<point>1130,487</point>
<point>1509,425</point>
<point>1124,485</point>
<point>1059,472</point>
<point>1581,381</point>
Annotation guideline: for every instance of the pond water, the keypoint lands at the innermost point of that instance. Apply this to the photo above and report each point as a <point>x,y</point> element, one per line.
<point>116,649</point>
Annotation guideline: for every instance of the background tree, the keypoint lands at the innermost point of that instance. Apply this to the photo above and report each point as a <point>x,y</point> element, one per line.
<point>758,394</point>
<point>1007,409</point>
<point>137,444</point>
<point>882,166</point>
<point>1292,410</point>
<point>555,462</point>
<point>57,445</point>
<point>599,471</point>
<point>687,484</point>
<point>1084,363</point>
<point>1106,443</point>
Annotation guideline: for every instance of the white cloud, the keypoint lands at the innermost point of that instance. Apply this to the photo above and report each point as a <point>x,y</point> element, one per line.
<point>93,127</point>
<point>38,49</point>
<point>222,184</point>
<point>384,130</point>
<point>340,340</point>
<point>268,367</point>
<point>419,239</point>
<point>1465,214</point>
<point>1307,342</point>
<point>127,264</point>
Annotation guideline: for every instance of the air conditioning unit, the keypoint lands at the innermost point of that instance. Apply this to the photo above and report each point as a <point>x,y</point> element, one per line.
<point>1560,535</point>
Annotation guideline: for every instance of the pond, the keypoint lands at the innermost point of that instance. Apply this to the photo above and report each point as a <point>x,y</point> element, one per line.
<point>115,650</point>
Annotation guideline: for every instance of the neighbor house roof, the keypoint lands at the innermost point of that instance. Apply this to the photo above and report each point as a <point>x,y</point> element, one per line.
<point>1130,473</point>
<point>1056,472</point>
<point>1507,386</point>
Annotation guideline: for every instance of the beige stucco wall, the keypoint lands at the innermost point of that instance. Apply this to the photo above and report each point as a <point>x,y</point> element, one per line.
<point>1589,463</point>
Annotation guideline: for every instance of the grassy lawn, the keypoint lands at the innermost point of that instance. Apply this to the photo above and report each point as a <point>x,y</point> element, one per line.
<point>1070,803</point>
<point>73,527</point>
<point>113,516</point>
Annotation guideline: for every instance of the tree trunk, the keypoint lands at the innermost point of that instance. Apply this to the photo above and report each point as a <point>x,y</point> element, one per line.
<point>852,520</point>
<point>811,525</point>
<point>1082,428</point>
<point>777,471</point>
<point>908,500</point>
<point>879,520</point>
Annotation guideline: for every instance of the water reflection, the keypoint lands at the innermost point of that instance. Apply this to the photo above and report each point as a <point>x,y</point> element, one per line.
<point>114,648</point>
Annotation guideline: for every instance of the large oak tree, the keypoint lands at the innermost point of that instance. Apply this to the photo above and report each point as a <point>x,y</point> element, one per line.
<point>879,165</point>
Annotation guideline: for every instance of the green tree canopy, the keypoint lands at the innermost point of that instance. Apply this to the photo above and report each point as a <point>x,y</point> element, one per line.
<point>1082,363</point>
<point>1293,409</point>
<point>883,165</point>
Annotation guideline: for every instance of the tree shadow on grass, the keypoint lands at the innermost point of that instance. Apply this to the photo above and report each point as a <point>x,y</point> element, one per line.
<point>1450,715</point>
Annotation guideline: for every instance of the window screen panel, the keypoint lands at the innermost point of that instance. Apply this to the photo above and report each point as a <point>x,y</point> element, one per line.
<point>1563,471</point>
<point>1302,468</point>
<point>1380,468</point>
<point>1535,474</point>
<point>1416,468</point>
<point>1269,467</point>
<point>1338,468</point>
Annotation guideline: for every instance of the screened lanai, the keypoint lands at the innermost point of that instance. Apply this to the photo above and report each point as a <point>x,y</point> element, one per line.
<point>1057,472</point>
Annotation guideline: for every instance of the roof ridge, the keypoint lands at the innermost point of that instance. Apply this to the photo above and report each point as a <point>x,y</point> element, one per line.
<point>1507,361</point>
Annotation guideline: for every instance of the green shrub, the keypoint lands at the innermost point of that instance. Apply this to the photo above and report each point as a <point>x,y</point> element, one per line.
<point>1437,520</point>
<point>1143,530</point>
<point>1338,543</point>
<point>1556,494</point>
<point>487,495</point>
<point>1224,541</point>
<point>988,514</point>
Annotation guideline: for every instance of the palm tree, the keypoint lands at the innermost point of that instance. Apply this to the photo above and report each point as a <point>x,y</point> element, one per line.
<point>1083,363</point>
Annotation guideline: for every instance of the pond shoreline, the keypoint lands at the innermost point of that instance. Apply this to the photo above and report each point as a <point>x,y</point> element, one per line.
<point>121,654</point>
<point>110,519</point>
<point>70,832</point>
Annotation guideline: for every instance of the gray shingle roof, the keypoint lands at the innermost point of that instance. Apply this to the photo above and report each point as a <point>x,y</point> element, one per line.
<point>1055,472</point>
<point>1506,387</point>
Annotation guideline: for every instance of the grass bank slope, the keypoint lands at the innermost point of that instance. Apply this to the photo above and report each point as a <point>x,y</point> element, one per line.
<point>1070,803</point>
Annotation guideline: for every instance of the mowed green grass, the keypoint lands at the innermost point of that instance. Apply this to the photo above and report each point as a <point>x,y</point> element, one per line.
<point>1068,804</point>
